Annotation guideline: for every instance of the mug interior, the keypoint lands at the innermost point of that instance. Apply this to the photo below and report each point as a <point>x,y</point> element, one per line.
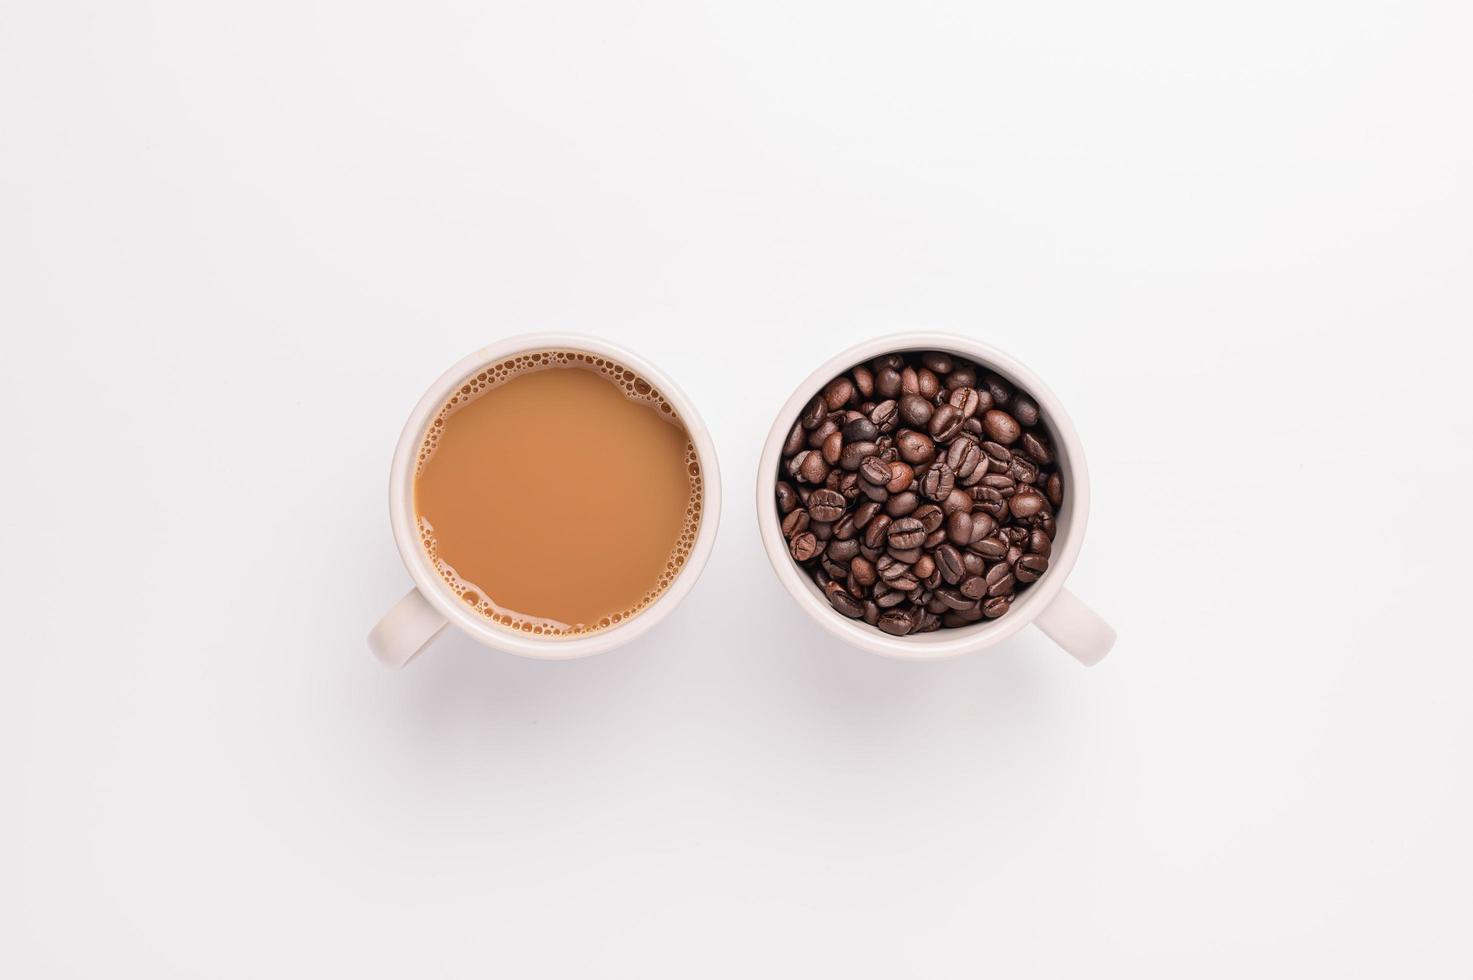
<point>1071,518</point>
<point>447,602</point>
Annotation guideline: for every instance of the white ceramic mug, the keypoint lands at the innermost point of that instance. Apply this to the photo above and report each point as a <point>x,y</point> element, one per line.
<point>430,606</point>
<point>1046,603</point>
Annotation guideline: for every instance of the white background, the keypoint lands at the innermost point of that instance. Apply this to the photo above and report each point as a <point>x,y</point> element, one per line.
<point>238,240</point>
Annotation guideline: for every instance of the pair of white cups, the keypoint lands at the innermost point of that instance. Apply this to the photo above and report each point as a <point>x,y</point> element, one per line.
<point>430,606</point>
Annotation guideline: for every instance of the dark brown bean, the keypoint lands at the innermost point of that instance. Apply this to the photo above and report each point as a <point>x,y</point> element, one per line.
<point>1029,567</point>
<point>915,447</point>
<point>787,497</point>
<point>896,622</point>
<point>826,505</point>
<point>915,411</point>
<point>877,531</point>
<point>832,446</point>
<point>874,470</point>
<point>803,546</point>
<point>797,439</point>
<point>795,523</point>
<point>1001,427</point>
<point>907,532</point>
<point>855,453</point>
<point>1026,504</point>
<point>959,528</point>
<point>938,482</point>
<point>1037,449</point>
<point>901,476</point>
<point>901,504</point>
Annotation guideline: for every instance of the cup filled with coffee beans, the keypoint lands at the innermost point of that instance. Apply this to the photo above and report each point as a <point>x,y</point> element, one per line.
<point>553,496</point>
<point>925,495</point>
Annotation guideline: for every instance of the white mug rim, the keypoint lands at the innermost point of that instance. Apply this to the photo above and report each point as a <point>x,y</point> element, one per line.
<point>433,587</point>
<point>945,643</point>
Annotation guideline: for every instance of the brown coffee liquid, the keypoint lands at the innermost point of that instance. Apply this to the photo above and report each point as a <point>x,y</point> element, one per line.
<point>557,493</point>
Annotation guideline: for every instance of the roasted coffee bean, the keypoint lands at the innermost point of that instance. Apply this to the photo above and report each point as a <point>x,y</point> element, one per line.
<point>845,529</point>
<point>949,563</point>
<point>915,411</point>
<point>860,430</point>
<point>959,528</point>
<point>966,401</point>
<point>905,581</point>
<point>1056,490</point>
<point>992,548</point>
<point>809,467</point>
<point>991,501</point>
<point>803,546</point>
<point>896,622</point>
<point>927,384</point>
<point>865,512</point>
<point>901,477</point>
<point>958,499</point>
<point>797,439</point>
<point>1026,504</point>
<point>877,531</point>
<point>999,579</point>
<point>915,447</point>
<point>795,523</point>
<point>820,435</point>
<point>938,482</point>
<point>901,504</point>
<point>1000,482</point>
<point>813,413</point>
<point>874,470</point>
<point>930,516</point>
<point>845,603</point>
<point>889,598</point>
<point>1001,427</point>
<point>832,446</point>
<point>838,392</point>
<point>1030,567</point>
<point>999,389</point>
<point>946,423</point>
<point>919,492</point>
<point>1024,409</point>
<point>1037,449</point>
<point>855,453</point>
<point>963,456</point>
<point>787,497</point>
<point>935,360</point>
<point>1023,470</point>
<point>887,382</point>
<point>842,550</point>
<point>885,415</point>
<point>907,532</point>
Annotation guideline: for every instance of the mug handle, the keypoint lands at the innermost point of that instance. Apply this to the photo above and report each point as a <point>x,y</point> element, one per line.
<point>405,630</point>
<point>1077,628</point>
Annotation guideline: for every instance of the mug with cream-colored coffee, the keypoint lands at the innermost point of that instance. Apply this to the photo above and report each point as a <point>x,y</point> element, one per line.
<point>551,495</point>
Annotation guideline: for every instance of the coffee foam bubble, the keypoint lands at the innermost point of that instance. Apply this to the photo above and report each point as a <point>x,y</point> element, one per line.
<point>633,387</point>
